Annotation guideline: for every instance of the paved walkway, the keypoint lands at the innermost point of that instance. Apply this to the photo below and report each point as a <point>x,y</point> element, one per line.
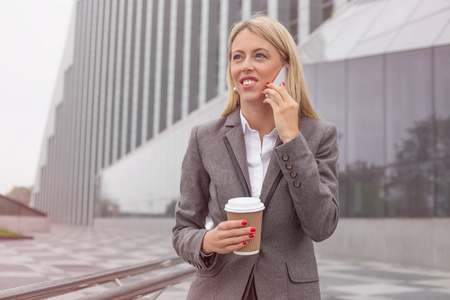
<point>74,250</point>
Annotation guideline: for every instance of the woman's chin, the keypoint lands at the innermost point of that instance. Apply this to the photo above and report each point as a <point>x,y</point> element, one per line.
<point>252,99</point>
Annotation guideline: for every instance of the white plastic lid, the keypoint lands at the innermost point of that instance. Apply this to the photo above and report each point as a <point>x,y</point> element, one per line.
<point>244,205</point>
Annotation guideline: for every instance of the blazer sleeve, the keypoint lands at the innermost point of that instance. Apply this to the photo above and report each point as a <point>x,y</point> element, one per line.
<point>192,209</point>
<point>312,181</point>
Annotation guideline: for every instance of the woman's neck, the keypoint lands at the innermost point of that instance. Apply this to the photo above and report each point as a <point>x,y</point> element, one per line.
<point>259,117</point>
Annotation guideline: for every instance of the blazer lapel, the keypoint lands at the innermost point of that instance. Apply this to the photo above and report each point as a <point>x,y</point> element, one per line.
<point>236,138</point>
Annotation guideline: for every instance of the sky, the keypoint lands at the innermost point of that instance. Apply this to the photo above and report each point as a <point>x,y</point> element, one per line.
<point>33,36</point>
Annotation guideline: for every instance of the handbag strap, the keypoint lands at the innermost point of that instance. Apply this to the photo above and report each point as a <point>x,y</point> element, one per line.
<point>249,284</point>
<point>237,167</point>
<point>272,189</point>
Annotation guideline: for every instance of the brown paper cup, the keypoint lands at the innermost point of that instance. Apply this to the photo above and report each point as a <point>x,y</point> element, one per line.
<point>254,219</point>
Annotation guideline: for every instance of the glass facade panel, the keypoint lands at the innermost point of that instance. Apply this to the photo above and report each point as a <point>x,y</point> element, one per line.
<point>128,79</point>
<point>164,69</point>
<point>444,38</point>
<point>344,203</point>
<point>410,190</point>
<point>110,87</point>
<point>118,82</point>
<point>152,77</point>
<point>393,15</point>
<point>259,6</point>
<point>315,49</point>
<point>141,87</point>
<point>284,11</point>
<point>309,72</point>
<point>195,59</point>
<point>442,79</point>
<point>213,49</point>
<point>379,27</point>
<point>364,192</point>
<point>442,96</point>
<point>179,62</point>
<point>351,33</point>
<point>442,185</point>
<point>235,11</point>
<point>294,20</point>
<point>421,33</point>
<point>134,100</point>
<point>426,10</point>
<point>103,89</point>
<point>365,113</point>
<point>331,102</point>
<point>409,102</point>
<point>374,45</point>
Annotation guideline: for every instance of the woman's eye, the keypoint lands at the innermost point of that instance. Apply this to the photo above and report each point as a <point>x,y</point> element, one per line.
<point>236,57</point>
<point>260,55</point>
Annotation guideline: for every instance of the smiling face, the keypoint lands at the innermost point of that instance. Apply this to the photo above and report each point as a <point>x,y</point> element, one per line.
<point>254,61</point>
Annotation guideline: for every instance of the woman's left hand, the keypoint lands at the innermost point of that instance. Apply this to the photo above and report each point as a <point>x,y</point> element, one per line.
<point>285,111</point>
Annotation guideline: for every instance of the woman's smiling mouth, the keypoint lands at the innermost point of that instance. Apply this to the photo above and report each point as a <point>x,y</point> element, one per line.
<point>248,81</point>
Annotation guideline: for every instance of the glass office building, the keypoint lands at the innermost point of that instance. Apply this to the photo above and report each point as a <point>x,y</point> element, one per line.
<point>134,72</point>
<point>380,71</point>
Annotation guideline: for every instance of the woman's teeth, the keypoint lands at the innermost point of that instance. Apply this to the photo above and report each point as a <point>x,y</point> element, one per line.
<point>248,82</point>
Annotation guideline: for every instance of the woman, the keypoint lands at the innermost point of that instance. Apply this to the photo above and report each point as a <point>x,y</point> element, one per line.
<point>286,154</point>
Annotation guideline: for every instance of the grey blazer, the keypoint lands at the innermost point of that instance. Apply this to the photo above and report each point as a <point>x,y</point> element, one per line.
<point>304,208</point>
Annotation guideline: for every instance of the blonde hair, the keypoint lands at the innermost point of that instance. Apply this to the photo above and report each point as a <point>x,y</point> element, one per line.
<point>276,34</point>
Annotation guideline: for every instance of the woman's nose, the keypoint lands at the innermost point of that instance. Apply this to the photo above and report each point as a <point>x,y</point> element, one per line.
<point>247,65</point>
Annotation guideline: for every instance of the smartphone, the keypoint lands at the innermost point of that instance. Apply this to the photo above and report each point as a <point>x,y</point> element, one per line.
<point>281,77</point>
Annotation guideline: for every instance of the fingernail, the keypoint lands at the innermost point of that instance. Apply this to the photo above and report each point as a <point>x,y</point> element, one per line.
<point>283,84</point>
<point>244,222</point>
<point>267,82</point>
<point>245,243</point>
<point>251,235</point>
<point>253,229</point>
<point>263,90</point>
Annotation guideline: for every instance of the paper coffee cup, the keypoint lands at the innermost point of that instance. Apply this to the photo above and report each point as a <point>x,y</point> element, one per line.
<point>251,210</point>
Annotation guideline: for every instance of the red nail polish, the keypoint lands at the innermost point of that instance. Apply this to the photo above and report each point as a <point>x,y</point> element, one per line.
<point>267,82</point>
<point>283,84</point>
<point>251,235</point>
<point>253,229</point>
<point>244,222</point>
<point>245,243</point>
<point>263,90</point>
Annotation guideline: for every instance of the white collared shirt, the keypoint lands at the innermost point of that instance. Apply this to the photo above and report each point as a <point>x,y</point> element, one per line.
<point>258,157</point>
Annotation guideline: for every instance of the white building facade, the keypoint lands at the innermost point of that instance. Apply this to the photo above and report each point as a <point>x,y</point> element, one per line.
<point>132,69</point>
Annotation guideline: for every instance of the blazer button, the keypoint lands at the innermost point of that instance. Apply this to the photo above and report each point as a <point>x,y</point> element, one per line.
<point>289,166</point>
<point>293,174</point>
<point>285,157</point>
<point>297,184</point>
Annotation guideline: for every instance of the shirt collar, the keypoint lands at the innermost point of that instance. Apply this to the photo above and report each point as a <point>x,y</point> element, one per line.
<point>244,123</point>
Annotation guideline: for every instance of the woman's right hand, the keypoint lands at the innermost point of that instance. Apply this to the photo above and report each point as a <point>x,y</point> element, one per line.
<point>227,236</point>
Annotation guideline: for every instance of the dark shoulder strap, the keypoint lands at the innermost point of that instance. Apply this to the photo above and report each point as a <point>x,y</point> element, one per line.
<point>237,167</point>
<point>272,189</point>
<point>250,285</point>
